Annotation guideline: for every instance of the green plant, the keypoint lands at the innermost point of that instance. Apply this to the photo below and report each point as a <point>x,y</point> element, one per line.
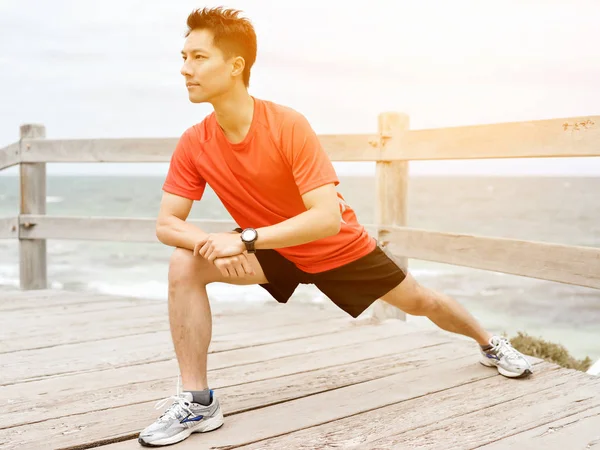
<point>548,351</point>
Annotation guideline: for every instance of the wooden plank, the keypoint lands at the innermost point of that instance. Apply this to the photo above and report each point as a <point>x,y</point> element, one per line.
<point>20,332</point>
<point>99,150</point>
<point>66,314</point>
<point>392,197</point>
<point>364,430</point>
<point>581,430</point>
<point>29,365</point>
<point>500,419</point>
<point>345,147</point>
<point>105,228</point>
<point>554,262</point>
<point>11,301</point>
<point>93,331</point>
<point>565,137</point>
<point>111,228</point>
<point>17,296</point>
<point>9,229</point>
<point>9,155</point>
<point>350,147</point>
<point>129,420</point>
<point>252,426</point>
<point>32,253</point>
<point>282,364</point>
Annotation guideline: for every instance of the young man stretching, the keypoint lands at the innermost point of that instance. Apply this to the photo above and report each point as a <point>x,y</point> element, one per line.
<point>266,165</point>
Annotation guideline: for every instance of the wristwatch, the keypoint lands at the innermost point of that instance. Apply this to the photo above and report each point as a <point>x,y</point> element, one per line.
<point>249,237</point>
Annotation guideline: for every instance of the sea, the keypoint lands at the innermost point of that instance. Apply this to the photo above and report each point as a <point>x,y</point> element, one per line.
<point>547,209</point>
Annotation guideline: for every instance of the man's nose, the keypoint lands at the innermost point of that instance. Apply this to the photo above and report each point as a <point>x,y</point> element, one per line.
<point>185,71</point>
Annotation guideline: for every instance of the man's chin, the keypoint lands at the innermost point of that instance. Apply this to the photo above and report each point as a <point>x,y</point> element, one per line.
<point>196,99</point>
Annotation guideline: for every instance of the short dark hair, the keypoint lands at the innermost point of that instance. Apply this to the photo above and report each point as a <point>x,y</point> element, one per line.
<point>233,35</point>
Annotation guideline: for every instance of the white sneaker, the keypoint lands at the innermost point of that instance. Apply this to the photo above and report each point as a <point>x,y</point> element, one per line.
<point>506,358</point>
<point>181,419</point>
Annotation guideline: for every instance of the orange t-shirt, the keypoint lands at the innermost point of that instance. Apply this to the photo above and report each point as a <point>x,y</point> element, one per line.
<point>261,179</point>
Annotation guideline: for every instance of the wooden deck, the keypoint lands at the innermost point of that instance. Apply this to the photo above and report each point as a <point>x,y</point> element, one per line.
<point>82,371</point>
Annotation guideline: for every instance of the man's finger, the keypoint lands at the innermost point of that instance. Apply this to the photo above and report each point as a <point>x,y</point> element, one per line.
<point>205,250</point>
<point>231,271</point>
<point>239,271</point>
<point>199,245</point>
<point>246,265</point>
<point>211,255</point>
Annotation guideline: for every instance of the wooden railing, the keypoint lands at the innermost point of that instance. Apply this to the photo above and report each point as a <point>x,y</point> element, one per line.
<point>392,148</point>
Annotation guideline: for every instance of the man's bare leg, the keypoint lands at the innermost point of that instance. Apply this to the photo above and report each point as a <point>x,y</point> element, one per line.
<point>190,314</point>
<point>444,311</point>
<point>451,316</point>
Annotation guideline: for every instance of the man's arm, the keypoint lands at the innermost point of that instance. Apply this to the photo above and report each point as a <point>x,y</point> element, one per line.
<point>321,219</point>
<point>316,179</point>
<point>171,226</point>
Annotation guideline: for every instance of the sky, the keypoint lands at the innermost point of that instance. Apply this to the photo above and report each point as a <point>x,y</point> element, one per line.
<point>89,69</point>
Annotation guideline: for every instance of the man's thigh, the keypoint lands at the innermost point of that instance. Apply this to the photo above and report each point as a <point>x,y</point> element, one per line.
<point>406,295</point>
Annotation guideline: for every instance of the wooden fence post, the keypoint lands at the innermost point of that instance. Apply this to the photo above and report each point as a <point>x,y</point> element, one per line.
<point>392,188</point>
<point>32,252</point>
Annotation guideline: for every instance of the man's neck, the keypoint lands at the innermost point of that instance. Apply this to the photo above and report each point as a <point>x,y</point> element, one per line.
<point>234,114</point>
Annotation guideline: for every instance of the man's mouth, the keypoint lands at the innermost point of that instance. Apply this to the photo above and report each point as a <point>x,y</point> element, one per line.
<point>189,85</point>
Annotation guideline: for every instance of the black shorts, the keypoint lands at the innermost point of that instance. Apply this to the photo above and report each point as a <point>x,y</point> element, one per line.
<point>353,287</point>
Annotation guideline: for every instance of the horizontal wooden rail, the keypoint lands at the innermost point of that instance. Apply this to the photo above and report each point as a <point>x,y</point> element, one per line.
<point>9,227</point>
<point>104,228</point>
<point>339,148</point>
<point>568,137</point>
<point>9,156</point>
<point>554,262</point>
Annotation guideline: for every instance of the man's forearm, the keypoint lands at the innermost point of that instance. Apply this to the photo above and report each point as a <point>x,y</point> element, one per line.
<point>306,227</point>
<point>179,233</point>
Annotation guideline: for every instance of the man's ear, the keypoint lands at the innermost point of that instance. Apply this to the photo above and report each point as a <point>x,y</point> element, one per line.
<point>238,66</point>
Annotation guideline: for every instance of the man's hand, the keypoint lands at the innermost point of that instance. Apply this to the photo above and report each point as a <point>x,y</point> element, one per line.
<point>219,245</point>
<point>234,266</point>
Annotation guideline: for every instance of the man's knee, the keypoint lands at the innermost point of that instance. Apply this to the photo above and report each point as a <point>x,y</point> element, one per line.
<point>424,302</point>
<point>186,269</point>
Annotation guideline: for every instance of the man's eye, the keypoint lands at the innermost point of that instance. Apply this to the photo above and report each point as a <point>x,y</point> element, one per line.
<point>200,57</point>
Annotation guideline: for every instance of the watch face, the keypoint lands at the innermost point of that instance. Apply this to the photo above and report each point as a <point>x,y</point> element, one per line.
<point>248,235</point>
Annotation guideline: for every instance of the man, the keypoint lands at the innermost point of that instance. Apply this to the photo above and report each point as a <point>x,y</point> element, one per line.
<point>265,163</point>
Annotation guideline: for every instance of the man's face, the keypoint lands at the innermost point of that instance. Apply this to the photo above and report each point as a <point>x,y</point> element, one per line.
<point>207,73</point>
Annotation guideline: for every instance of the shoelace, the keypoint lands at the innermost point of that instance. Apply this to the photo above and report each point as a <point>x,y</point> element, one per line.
<point>179,406</point>
<point>503,348</point>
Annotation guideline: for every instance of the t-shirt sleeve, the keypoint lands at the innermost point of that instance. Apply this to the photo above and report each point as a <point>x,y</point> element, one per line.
<point>310,163</point>
<point>183,178</point>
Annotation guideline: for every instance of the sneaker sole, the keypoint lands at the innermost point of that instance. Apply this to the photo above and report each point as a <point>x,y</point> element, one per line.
<point>505,372</point>
<point>204,427</point>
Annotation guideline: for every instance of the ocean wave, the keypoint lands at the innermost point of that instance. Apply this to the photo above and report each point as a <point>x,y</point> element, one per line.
<point>422,272</point>
<point>9,275</point>
<point>154,289</point>
<point>149,289</point>
<point>51,199</point>
<point>221,292</point>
